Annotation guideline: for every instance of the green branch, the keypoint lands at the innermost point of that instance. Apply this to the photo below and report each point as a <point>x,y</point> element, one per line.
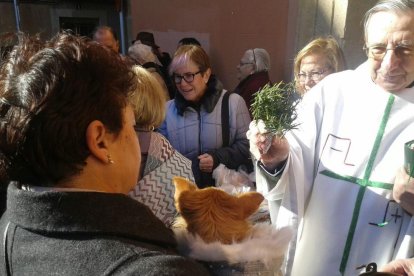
<point>276,106</point>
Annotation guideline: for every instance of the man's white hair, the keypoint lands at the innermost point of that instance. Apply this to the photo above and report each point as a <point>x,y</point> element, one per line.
<point>396,6</point>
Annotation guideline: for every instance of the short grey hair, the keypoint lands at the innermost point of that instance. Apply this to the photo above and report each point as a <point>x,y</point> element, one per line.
<point>396,6</point>
<point>142,53</point>
<point>260,58</point>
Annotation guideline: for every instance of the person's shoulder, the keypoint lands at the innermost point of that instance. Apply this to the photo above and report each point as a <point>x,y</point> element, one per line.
<point>158,263</point>
<point>161,145</point>
<point>337,87</point>
<point>170,104</point>
<point>158,136</point>
<point>234,99</point>
<point>338,77</point>
<point>234,96</point>
<point>361,72</point>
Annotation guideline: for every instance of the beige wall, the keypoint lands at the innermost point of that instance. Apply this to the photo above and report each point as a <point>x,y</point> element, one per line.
<point>225,29</point>
<point>321,18</point>
<point>354,34</point>
<point>339,18</point>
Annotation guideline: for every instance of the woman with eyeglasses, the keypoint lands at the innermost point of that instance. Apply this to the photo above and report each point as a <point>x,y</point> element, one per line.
<point>321,57</point>
<point>193,123</point>
<point>253,73</point>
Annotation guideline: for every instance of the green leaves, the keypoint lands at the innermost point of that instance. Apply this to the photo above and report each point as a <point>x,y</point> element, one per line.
<point>276,106</point>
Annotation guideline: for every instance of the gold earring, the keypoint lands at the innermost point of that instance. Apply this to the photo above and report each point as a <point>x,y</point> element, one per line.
<point>110,161</point>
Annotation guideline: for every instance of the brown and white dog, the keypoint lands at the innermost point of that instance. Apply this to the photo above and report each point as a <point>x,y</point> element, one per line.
<point>213,214</point>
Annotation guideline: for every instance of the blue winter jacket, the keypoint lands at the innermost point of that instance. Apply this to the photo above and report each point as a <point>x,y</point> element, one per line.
<point>195,130</point>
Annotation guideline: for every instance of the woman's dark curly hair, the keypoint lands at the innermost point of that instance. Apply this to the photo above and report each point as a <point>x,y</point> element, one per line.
<point>49,93</point>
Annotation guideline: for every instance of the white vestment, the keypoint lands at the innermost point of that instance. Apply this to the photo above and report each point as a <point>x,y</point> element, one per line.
<point>336,187</point>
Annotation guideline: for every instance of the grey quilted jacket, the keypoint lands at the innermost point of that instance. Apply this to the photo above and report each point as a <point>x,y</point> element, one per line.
<point>194,130</point>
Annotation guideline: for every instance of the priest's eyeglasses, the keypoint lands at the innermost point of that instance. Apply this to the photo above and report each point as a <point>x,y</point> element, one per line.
<point>188,77</point>
<point>314,75</point>
<point>377,52</point>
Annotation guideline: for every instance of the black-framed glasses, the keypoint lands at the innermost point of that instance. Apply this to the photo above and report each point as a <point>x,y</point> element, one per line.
<point>188,77</point>
<point>378,51</point>
<point>314,75</point>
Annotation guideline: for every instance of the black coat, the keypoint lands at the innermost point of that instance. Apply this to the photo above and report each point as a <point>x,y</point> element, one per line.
<point>87,233</point>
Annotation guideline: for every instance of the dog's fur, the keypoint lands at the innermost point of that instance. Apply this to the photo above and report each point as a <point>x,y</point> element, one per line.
<point>265,244</point>
<point>214,214</point>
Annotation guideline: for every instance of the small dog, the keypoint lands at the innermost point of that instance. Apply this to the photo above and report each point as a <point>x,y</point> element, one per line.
<point>214,214</point>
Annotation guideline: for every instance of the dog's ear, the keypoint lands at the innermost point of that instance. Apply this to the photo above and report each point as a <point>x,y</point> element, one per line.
<point>181,185</point>
<point>250,202</point>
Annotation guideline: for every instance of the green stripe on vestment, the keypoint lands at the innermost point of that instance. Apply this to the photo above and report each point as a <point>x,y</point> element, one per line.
<point>363,183</point>
<point>359,181</point>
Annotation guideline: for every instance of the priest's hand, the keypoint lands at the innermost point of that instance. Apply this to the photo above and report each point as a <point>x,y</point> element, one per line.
<point>400,267</point>
<point>270,149</point>
<point>403,191</point>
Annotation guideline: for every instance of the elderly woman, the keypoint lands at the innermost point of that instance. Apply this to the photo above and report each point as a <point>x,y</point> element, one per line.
<point>321,57</point>
<point>72,154</point>
<point>160,162</point>
<point>253,73</point>
<point>194,121</point>
<point>142,55</point>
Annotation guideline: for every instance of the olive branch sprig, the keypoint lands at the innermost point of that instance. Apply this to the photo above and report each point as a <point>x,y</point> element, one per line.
<point>276,105</point>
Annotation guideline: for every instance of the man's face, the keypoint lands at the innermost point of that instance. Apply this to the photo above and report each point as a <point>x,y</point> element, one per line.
<point>106,38</point>
<point>391,68</point>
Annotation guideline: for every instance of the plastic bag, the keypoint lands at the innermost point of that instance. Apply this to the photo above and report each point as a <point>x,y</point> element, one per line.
<point>232,181</point>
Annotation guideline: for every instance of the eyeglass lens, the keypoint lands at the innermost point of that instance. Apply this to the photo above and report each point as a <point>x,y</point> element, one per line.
<point>188,77</point>
<point>315,76</point>
<point>379,51</point>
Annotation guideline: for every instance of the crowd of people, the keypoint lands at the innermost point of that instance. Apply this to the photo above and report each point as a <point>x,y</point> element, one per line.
<point>91,140</point>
